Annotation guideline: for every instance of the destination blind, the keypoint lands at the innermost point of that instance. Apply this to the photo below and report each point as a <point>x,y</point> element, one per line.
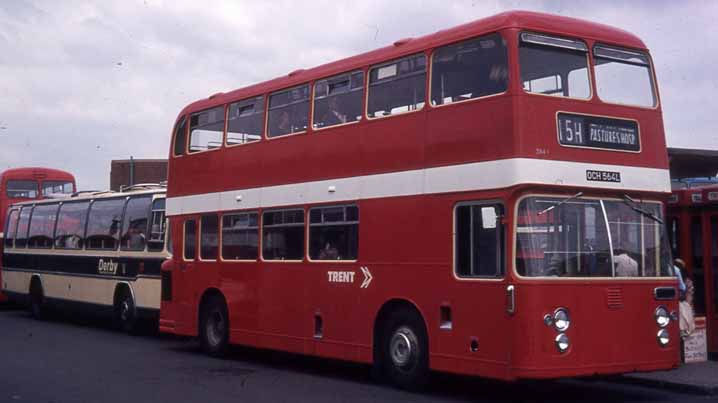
<point>598,132</point>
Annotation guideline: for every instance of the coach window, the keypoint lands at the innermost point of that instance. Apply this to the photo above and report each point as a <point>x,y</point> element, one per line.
<point>22,227</point>
<point>554,66</point>
<point>21,189</point>
<point>209,234</point>
<point>338,100</point>
<point>240,236</point>
<point>206,129</point>
<point>180,137</point>
<point>334,233</point>
<point>70,229</point>
<point>42,226</point>
<point>478,240</point>
<point>283,235</point>
<point>397,87</point>
<point>134,224</point>
<point>190,239</point>
<point>10,227</point>
<point>245,121</point>
<point>103,224</point>
<point>470,69</point>
<point>288,111</point>
<point>158,226</point>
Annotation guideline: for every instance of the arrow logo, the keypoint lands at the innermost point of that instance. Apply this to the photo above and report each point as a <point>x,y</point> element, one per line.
<point>367,277</point>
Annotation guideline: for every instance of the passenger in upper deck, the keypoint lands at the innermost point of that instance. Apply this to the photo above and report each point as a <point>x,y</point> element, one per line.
<point>334,115</point>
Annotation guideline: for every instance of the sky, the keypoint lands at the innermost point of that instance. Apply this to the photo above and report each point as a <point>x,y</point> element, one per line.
<point>85,82</point>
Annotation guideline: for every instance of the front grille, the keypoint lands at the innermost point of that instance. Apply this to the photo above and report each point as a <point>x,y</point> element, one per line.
<point>614,297</point>
<point>166,290</point>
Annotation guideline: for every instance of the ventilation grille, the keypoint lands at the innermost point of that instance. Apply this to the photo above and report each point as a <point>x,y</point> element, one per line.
<point>614,298</point>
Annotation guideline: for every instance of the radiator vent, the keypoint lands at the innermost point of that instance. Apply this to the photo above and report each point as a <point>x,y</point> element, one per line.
<point>614,298</point>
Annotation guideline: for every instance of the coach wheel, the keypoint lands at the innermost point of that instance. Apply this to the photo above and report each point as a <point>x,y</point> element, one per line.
<point>125,313</point>
<point>214,327</point>
<point>405,350</point>
<point>37,300</point>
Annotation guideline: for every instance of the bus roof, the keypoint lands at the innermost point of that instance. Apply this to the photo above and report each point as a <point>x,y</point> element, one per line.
<point>83,196</point>
<point>527,20</point>
<point>36,173</point>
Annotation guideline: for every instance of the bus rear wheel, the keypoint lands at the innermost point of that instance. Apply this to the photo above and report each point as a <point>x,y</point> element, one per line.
<point>214,327</point>
<point>405,359</point>
<point>125,313</point>
<point>37,300</point>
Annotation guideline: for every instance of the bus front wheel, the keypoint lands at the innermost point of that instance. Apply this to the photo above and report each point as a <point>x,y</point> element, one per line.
<point>405,349</point>
<point>125,313</point>
<point>214,326</point>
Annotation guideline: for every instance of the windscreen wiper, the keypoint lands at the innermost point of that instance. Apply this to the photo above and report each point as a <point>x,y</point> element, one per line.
<point>549,208</point>
<point>633,205</point>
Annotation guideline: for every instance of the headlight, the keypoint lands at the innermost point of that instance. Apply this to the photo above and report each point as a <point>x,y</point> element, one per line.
<point>663,338</point>
<point>562,342</point>
<point>662,317</point>
<point>561,320</point>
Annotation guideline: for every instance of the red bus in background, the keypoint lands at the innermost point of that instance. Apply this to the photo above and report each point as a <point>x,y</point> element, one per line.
<point>484,200</point>
<point>22,184</point>
<point>693,230</point>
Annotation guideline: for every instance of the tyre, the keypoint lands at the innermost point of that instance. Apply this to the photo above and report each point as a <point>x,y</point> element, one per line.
<point>125,312</point>
<point>405,350</point>
<point>214,326</point>
<point>37,300</point>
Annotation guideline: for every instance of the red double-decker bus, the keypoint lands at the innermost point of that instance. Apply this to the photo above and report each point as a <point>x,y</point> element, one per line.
<point>693,230</point>
<point>484,200</point>
<point>22,184</point>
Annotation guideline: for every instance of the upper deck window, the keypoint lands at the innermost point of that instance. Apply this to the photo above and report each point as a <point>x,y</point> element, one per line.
<point>205,129</point>
<point>338,100</point>
<point>470,69</point>
<point>554,66</point>
<point>180,136</point>
<point>50,188</point>
<point>245,121</point>
<point>397,87</point>
<point>288,111</point>
<point>19,189</point>
<point>623,76</point>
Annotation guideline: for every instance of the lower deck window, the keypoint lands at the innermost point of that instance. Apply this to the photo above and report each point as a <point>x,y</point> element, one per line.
<point>479,246</point>
<point>283,235</point>
<point>190,239</point>
<point>208,237</point>
<point>334,233</point>
<point>240,236</point>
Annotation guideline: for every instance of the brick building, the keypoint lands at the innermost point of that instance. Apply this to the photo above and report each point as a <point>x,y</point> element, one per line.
<point>134,171</point>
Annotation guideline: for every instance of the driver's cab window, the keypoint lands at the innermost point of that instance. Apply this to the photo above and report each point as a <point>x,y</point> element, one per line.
<point>479,240</point>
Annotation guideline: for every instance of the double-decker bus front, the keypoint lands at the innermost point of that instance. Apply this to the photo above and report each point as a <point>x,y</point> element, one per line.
<point>592,288</point>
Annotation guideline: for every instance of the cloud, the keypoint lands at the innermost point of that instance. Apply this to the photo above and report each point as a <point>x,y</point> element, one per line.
<point>83,83</point>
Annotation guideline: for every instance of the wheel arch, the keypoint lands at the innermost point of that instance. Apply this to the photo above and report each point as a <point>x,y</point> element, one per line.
<point>209,293</point>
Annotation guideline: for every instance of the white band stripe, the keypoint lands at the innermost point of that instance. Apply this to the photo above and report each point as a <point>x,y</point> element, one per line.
<point>454,178</point>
